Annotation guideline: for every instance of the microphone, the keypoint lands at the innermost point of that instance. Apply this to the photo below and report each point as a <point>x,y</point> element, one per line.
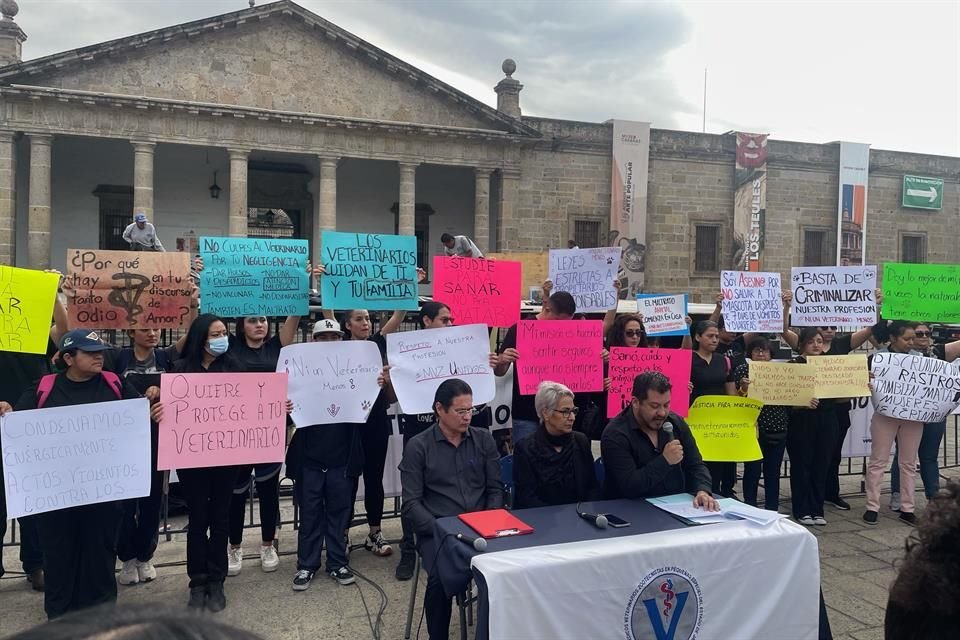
<point>479,544</point>
<point>668,430</point>
<point>596,519</point>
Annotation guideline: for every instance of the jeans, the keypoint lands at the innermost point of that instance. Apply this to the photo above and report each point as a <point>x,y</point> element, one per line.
<point>268,492</point>
<point>884,431</point>
<point>523,429</point>
<point>208,492</point>
<point>770,466</point>
<point>928,455</point>
<point>140,524</point>
<point>324,497</point>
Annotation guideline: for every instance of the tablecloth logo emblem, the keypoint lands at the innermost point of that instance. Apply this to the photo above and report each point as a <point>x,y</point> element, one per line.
<point>666,605</point>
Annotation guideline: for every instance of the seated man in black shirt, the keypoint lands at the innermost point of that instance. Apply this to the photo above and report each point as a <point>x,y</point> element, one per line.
<point>641,461</point>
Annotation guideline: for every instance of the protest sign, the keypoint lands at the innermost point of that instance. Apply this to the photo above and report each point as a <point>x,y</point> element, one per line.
<point>588,275</point>
<point>841,376</point>
<point>221,420</point>
<point>533,267</point>
<point>565,351</point>
<point>663,315</point>
<point>915,388</point>
<point>26,307</point>
<point>331,382</point>
<point>725,428</point>
<point>751,301</point>
<point>421,360</point>
<point>65,457</point>
<point>781,383</point>
<point>627,363</point>
<point>369,271</point>
<point>477,290</point>
<point>128,289</point>
<point>501,409</point>
<point>833,296</point>
<point>921,292</point>
<point>858,441</point>
<point>245,277</point>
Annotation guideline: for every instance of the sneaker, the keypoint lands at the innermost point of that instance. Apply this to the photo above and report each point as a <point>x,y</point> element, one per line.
<point>408,564</point>
<point>269,560</point>
<point>216,599</point>
<point>198,597</point>
<point>378,545</point>
<point>234,561</point>
<point>36,580</point>
<point>343,576</point>
<point>909,518</point>
<point>870,517</point>
<point>146,571</point>
<point>806,521</point>
<point>840,503</point>
<point>820,521</point>
<point>895,502</point>
<point>301,581</point>
<point>128,574</point>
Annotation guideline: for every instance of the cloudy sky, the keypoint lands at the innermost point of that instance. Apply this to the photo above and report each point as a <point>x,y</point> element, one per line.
<point>880,72</point>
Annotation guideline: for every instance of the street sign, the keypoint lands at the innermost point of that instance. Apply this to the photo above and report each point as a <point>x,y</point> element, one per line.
<point>922,193</point>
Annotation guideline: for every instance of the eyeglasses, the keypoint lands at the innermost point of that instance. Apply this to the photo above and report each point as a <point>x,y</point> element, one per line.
<point>566,413</point>
<point>634,333</point>
<point>828,328</point>
<point>923,334</point>
<point>463,413</point>
<point>447,320</point>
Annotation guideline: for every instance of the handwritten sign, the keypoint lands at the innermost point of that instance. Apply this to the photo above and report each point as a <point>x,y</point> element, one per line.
<point>725,428</point>
<point>782,383</point>
<point>627,363</point>
<point>128,289</point>
<point>26,307</point>
<point>533,267</point>
<point>65,457</point>
<point>921,292</point>
<point>664,315</point>
<point>331,382</point>
<point>587,275</point>
<point>833,296</point>
<point>841,376</point>
<point>565,351</point>
<point>421,360</point>
<point>751,301</point>
<point>244,277</point>
<point>369,271</point>
<point>221,420</point>
<point>915,388</point>
<point>478,291</point>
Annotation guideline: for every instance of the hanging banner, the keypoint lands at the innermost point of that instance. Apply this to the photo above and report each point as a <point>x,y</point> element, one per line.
<point>749,201</point>
<point>628,202</point>
<point>852,203</point>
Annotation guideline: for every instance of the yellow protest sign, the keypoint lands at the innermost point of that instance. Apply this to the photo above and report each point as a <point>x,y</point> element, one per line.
<point>841,376</point>
<point>782,383</point>
<point>26,307</point>
<point>725,428</point>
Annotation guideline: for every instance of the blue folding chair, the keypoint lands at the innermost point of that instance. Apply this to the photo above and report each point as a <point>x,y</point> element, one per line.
<point>599,470</point>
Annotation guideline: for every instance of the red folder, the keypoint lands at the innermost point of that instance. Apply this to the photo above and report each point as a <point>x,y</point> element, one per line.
<point>496,523</point>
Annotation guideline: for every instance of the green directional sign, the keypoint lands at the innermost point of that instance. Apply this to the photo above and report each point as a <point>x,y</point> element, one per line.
<point>922,193</point>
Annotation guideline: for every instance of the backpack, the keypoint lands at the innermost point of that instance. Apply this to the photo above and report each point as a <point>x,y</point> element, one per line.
<point>46,386</point>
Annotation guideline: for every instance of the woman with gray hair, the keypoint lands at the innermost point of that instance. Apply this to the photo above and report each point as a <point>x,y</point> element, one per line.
<point>554,465</point>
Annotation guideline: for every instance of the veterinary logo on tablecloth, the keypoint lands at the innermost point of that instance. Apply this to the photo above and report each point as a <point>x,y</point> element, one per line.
<point>666,605</point>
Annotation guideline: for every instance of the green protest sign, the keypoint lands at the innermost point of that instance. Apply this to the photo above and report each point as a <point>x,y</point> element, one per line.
<point>921,292</point>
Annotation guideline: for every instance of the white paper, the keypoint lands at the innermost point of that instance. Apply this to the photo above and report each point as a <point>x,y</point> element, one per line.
<point>663,314</point>
<point>914,388</point>
<point>65,457</point>
<point>833,296</point>
<point>751,301</point>
<point>682,505</point>
<point>588,275</point>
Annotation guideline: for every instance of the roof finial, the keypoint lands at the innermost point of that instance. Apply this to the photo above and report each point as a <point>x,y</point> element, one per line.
<point>253,3</point>
<point>9,9</point>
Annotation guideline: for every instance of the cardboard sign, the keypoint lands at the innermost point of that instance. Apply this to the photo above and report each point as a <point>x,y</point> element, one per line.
<point>564,351</point>
<point>795,384</point>
<point>921,292</point>
<point>627,363</point>
<point>369,271</point>
<point>331,382</point>
<point>222,419</point>
<point>663,315</point>
<point>128,289</point>
<point>751,301</point>
<point>477,290</point>
<point>841,376</point>
<point>26,307</point>
<point>533,267</point>
<point>914,388</point>
<point>833,296</point>
<point>588,275</point>
<point>421,360</point>
<point>66,457</point>
<point>245,277</point>
<point>725,428</point>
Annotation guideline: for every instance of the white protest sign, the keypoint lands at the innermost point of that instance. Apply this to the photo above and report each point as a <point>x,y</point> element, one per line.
<point>501,408</point>
<point>912,387</point>
<point>588,275</point>
<point>751,301</point>
<point>421,360</point>
<point>65,457</point>
<point>663,315</point>
<point>858,442</point>
<point>833,296</point>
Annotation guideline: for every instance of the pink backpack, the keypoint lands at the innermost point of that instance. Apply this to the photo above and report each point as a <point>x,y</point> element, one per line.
<point>46,386</point>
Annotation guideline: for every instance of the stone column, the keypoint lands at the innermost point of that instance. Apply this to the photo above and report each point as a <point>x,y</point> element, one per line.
<point>481,209</point>
<point>38,222</point>
<point>238,192</point>
<point>8,203</point>
<point>143,178</point>
<point>507,228</point>
<point>326,218</point>
<point>408,199</point>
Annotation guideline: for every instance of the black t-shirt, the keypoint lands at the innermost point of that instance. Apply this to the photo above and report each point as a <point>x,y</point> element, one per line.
<point>20,371</point>
<point>840,345</point>
<point>523,406</point>
<point>378,420</point>
<point>67,393</point>
<point>263,358</point>
<point>710,378</point>
<point>327,446</point>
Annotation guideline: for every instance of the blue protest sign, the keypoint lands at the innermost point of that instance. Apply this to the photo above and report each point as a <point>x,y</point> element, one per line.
<point>663,315</point>
<point>245,277</point>
<point>369,271</point>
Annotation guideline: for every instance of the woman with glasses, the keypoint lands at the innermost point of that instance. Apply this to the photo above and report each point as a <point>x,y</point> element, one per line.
<point>554,465</point>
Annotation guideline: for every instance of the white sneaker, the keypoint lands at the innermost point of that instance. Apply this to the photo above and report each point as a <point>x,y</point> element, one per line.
<point>820,521</point>
<point>269,560</point>
<point>146,571</point>
<point>806,521</point>
<point>128,574</point>
<point>895,502</point>
<point>234,561</point>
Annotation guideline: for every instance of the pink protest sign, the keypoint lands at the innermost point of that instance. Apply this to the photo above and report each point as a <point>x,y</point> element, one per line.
<point>222,420</point>
<point>477,290</point>
<point>626,363</point>
<point>565,351</point>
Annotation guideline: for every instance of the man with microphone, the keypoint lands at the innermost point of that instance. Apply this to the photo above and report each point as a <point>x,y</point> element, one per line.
<point>648,451</point>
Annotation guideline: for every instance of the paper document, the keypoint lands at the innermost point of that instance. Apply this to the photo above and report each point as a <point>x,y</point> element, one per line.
<point>681,505</point>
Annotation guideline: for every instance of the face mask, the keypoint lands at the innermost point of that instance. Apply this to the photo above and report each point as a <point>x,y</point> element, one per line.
<point>218,346</point>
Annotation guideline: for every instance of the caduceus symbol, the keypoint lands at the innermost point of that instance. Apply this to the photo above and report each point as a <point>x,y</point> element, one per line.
<point>127,297</point>
<point>667,588</point>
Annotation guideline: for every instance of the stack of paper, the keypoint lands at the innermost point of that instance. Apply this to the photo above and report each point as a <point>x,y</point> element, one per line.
<point>681,505</point>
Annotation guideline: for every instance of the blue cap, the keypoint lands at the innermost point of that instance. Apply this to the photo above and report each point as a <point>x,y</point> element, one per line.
<point>82,340</point>
<point>140,217</point>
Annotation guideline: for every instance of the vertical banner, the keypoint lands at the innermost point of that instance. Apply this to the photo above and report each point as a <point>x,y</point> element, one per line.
<point>852,203</point>
<point>628,202</point>
<point>749,201</point>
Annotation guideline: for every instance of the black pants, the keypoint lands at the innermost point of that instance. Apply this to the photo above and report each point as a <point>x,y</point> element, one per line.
<point>374,440</point>
<point>31,557</point>
<point>408,544</point>
<point>268,493</point>
<point>832,491</point>
<point>770,467</point>
<point>436,604</point>
<point>324,498</point>
<point>208,492</point>
<point>724,475</point>
<point>810,440</point>
<point>79,556</point>
<point>140,523</point>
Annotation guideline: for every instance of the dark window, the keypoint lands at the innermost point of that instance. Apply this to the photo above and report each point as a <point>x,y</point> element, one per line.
<point>272,223</point>
<point>707,247</point>
<point>116,212</point>
<point>586,233</point>
<point>421,229</point>
<point>814,245</point>
<point>913,249</point>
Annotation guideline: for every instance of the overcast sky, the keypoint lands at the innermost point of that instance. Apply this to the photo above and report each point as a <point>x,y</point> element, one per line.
<point>883,73</point>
